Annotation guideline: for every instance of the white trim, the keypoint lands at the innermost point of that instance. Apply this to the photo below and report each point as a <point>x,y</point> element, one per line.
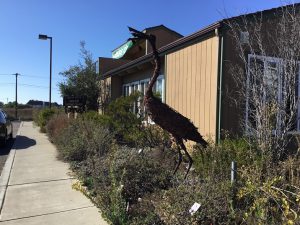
<point>160,77</point>
<point>139,83</point>
<point>279,66</point>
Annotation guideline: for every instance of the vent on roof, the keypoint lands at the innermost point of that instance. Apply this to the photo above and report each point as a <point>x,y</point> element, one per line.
<point>244,37</point>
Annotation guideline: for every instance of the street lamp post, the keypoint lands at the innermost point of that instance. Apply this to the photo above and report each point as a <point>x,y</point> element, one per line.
<point>45,37</point>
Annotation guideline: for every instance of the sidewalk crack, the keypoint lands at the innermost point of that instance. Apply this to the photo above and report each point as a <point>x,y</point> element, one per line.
<point>42,181</point>
<point>45,214</point>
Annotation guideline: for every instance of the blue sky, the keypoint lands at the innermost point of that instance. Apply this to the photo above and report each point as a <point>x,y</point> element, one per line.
<point>101,24</point>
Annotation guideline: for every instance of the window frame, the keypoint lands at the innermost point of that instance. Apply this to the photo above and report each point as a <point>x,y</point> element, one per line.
<point>139,83</point>
<point>279,64</point>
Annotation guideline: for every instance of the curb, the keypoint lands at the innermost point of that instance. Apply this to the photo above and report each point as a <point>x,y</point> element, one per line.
<point>5,175</point>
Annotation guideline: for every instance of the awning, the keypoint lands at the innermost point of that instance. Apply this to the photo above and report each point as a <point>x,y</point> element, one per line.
<point>120,52</point>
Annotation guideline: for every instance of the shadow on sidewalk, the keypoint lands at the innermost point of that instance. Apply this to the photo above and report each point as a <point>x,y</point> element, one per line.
<point>23,142</point>
<point>6,149</point>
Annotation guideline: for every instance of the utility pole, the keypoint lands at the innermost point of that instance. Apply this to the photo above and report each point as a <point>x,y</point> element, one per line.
<point>16,102</point>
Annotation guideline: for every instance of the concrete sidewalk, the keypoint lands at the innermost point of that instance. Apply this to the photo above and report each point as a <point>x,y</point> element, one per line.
<point>35,187</point>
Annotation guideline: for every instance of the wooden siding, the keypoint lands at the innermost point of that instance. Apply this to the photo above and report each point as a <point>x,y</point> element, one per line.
<point>191,84</point>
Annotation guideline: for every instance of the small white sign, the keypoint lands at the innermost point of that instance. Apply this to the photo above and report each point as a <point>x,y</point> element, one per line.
<point>194,208</point>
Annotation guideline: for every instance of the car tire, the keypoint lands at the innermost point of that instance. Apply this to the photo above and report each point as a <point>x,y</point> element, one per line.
<point>3,141</point>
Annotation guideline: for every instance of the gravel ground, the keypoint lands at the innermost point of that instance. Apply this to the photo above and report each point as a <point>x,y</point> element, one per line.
<point>4,151</point>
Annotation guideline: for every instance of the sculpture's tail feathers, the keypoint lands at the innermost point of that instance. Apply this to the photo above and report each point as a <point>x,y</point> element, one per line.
<point>203,143</point>
<point>199,139</point>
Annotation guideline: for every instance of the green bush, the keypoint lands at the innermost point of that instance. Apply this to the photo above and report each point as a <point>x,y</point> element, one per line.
<point>92,116</point>
<point>42,118</point>
<point>120,120</point>
<point>216,158</point>
<point>129,128</point>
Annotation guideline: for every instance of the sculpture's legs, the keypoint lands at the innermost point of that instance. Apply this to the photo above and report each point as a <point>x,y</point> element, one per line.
<point>179,156</point>
<point>188,155</point>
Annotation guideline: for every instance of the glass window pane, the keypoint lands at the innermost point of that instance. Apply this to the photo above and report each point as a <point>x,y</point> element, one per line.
<point>271,81</point>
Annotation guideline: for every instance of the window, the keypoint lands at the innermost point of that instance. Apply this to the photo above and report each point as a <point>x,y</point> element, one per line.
<point>159,87</point>
<point>142,86</point>
<point>268,73</point>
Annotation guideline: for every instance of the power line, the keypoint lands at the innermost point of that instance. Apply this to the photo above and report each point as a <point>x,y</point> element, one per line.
<point>28,85</point>
<point>32,85</point>
<point>35,86</point>
<point>7,83</point>
<point>27,75</point>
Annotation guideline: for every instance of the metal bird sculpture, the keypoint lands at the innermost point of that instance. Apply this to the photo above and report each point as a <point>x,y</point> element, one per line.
<point>180,127</point>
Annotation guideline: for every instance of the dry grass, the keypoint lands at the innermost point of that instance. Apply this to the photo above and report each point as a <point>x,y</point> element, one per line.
<point>23,114</point>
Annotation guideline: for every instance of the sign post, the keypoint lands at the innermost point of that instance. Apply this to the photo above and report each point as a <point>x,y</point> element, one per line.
<point>74,105</point>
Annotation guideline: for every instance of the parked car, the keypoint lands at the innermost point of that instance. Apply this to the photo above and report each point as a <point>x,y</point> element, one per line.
<point>6,129</point>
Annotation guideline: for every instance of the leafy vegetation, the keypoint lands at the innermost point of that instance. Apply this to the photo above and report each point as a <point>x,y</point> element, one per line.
<point>126,168</point>
<point>82,79</point>
<point>42,117</point>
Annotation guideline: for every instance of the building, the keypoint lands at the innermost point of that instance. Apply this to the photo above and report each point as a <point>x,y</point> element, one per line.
<point>196,77</point>
<point>40,104</point>
<point>130,67</point>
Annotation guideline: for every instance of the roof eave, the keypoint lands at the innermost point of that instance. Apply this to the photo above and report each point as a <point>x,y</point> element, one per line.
<point>166,48</point>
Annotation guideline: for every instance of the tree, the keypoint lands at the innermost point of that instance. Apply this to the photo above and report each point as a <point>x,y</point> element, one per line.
<point>269,49</point>
<point>10,104</point>
<point>82,79</point>
<point>1,104</point>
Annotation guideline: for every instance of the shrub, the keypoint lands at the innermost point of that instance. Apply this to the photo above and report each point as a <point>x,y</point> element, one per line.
<point>264,196</point>
<point>92,116</point>
<point>83,137</point>
<point>154,136</point>
<point>130,128</point>
<point>120,177</point>
<point>213,195</point>
<point>216,159</point>
<point>56,125</point>
<point>120,120</point>
<point>143,212</point>
<point>139,173</point>
<point>35,116</point>
<point>43,117</point>
<point>131,180</point>
<point>143,175</point>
